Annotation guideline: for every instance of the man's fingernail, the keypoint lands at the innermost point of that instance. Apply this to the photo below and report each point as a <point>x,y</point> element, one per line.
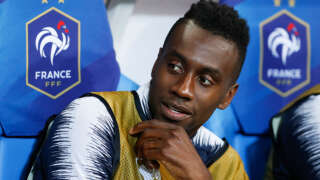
<point>131,131</point>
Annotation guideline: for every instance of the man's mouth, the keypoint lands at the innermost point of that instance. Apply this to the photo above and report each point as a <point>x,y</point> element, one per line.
<point>175,112</point>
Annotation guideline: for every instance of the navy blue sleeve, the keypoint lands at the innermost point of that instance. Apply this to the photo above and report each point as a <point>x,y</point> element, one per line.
<point>299,141</point>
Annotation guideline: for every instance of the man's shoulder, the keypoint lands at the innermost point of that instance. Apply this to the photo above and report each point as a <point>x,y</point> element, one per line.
<point>209,146</point>
<point>206,139</point>
<point>228,166</point>
<point>217,153</point>
<point>229,158</point>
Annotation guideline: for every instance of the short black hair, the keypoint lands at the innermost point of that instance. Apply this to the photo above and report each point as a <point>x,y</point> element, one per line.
<point>220,20</point>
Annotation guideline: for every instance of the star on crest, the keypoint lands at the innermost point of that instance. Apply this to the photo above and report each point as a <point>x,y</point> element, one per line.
<point>46,1</point>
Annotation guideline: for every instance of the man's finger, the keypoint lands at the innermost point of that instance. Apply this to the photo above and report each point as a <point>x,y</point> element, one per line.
<point>152,154</point>
<point>152,133</point>
<point>150,138</point>
<point>152,144</point>
<point>151,164</point>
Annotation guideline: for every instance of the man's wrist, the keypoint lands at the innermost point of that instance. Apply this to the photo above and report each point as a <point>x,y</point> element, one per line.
<point>206,175</point>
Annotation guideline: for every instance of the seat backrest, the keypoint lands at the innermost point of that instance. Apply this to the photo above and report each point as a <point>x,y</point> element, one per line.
<point>51,52</point>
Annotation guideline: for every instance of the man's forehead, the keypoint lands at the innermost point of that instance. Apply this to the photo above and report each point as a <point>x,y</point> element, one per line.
<point>189,31</point>
<point>189,35</point>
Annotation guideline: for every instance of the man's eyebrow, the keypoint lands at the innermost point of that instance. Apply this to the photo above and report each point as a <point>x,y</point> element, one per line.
<point>177,54</point>
<point>213,71</point>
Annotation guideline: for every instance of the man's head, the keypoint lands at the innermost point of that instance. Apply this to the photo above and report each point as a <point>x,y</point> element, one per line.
<point>197,68</point>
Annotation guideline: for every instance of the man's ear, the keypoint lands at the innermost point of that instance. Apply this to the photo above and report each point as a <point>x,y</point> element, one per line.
<point>156,63</point>
<point>229,96</point>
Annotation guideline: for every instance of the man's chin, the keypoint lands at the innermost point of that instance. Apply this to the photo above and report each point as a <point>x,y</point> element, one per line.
<point>167,120</point>
<point>189,131</point>
<point>172,121</point>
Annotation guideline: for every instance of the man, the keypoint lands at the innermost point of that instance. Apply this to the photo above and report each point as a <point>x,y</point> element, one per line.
<point>156,132</point>
<point>296,145</point>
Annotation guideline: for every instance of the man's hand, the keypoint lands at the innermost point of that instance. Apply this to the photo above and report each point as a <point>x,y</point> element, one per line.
<point>170,145</point>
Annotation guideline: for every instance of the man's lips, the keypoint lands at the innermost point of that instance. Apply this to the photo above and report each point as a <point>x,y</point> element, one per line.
<point>175,112</point>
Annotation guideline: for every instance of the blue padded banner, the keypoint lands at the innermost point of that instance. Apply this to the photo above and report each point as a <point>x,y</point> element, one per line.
<point>51,52</point>
<point>282,59</point>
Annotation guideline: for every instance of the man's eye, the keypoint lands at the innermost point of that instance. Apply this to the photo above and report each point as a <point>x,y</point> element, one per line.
<point>205,81</point>
<point>175,68</point>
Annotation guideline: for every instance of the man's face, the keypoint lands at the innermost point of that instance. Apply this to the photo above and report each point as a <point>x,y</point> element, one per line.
<point>192,77</point>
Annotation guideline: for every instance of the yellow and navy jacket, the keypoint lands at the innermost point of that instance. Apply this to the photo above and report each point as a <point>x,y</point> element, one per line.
<point>90,140</point>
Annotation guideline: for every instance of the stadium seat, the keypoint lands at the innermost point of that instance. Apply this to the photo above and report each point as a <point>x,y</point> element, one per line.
<point>69,38</point>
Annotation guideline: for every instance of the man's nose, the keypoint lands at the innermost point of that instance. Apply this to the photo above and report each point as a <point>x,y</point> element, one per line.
<point>184,87</point>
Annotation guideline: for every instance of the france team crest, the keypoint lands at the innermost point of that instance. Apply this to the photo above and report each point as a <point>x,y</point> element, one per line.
<point>53,53</point>
<point>284,53</point>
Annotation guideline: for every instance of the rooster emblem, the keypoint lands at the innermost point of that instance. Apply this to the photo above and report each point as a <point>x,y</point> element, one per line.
<point>49,35</point>
<point>280,37</point>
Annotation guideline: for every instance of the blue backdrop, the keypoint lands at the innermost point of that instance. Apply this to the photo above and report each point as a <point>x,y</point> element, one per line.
<point>260,94</point>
